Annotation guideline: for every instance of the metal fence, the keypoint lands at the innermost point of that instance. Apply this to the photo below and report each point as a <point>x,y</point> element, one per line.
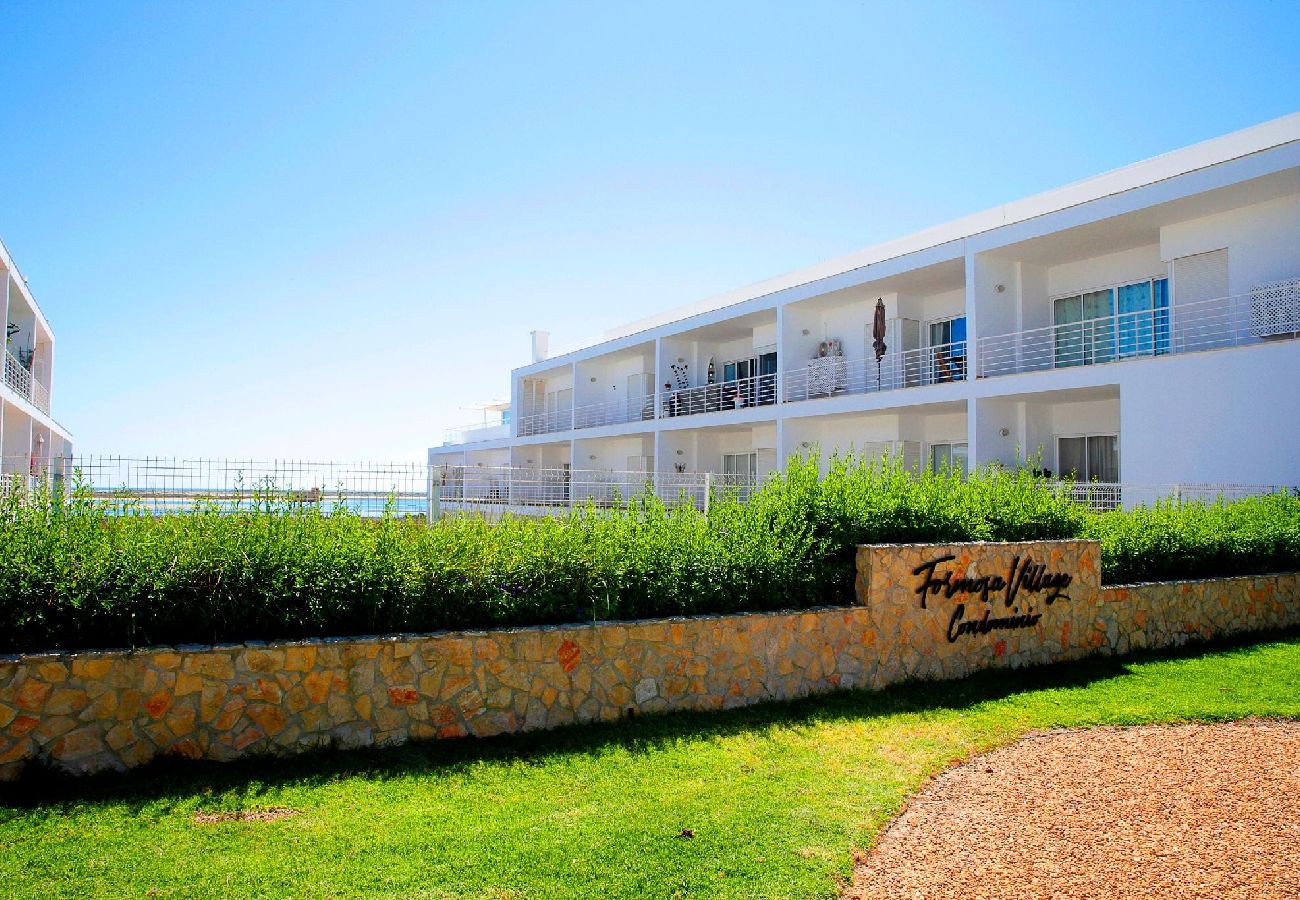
<point>1268,312</point>
<point>534,490</point>
<point>157,484</point>
<point>1105,495</point>
<point>172,484</point>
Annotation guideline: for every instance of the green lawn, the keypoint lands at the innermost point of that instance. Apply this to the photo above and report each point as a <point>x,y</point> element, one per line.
<point>777,796</point>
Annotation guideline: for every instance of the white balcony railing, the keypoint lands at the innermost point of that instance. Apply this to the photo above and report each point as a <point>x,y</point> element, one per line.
<point>830,376</point>
<point>20,380</point>
<point>743,393</point>
<point>477,431</point>
<point>1101,495</point>
<point>1182,328</point>
<point>545,422</point>
<point>560,487</point>
<point>615,412</point>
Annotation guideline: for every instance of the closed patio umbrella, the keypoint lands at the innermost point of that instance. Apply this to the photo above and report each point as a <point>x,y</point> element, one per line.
<point>878,333</point>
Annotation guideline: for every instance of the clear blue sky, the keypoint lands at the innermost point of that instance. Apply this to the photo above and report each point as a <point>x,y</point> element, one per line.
<point>318,230</point>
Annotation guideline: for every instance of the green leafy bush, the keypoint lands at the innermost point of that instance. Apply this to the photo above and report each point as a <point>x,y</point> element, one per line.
<point>76,573</point>
<point>1172,540</point>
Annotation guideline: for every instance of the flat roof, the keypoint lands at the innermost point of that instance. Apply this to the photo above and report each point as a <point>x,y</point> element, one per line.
<point>1254,139</point>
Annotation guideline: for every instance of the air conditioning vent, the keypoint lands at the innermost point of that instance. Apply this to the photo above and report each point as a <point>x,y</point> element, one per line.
<point>1275,308</point>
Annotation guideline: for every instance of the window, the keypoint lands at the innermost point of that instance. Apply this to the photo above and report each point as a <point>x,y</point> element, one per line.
<point>1084,328</point>
<point>757,377</point>
<point>742,464</point>
<point>1143,320</point>
<point>948,456</point>
<point>1090,457</point>
<point>947,353</point>
<point>1112,323</point>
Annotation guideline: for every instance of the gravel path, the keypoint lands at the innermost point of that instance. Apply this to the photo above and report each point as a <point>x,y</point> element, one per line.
<point>1194,811</point>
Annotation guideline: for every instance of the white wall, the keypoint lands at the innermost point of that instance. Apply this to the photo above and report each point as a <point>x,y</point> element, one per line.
<point>994,312</point>
<point>945,428</point>
<point>933,306</point>
<point>611,453</point>
<point>1123,267</point>
<point>611,374</point>
<point>1263,241</point>
<point>496,457</point>
<point>15,439</point>
<point>1223,416</point>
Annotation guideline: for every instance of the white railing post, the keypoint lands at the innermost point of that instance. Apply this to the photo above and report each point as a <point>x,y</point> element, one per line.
<point>708,492</point>
<point>433,503</point>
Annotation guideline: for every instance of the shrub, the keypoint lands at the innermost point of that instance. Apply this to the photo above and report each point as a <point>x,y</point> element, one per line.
<point>1173,540</point>
<point>76,573</point>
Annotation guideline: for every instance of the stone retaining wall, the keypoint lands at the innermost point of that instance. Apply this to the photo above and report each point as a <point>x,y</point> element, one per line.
<point>91,711</point>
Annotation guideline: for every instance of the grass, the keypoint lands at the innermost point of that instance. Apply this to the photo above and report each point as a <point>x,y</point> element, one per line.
<point>777,796</point>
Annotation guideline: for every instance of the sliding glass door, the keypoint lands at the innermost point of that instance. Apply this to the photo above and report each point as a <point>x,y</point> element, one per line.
<point>1143,318</point>
<point>947,350</point>
<point>1085,328</point>
<point>1122,322</point>
<point>1092,457</point>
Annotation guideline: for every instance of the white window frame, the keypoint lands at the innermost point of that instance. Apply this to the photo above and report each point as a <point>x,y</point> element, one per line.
<point>1119,456</point>
<point>929,453</point>
<point>752,469</point>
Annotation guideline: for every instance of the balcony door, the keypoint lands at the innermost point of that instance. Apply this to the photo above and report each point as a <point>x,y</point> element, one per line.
<point>947,350</point>
<point>1084,328</point>
<point>744,465</point>
<point>640,397</point>
<point>1088,457</point>
<point>945,457</point>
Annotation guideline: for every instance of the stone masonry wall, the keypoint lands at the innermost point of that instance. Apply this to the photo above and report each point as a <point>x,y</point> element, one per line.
<point>86,712</point>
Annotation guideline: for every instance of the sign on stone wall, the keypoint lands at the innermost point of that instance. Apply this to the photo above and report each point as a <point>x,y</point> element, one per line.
<point>958,593</point>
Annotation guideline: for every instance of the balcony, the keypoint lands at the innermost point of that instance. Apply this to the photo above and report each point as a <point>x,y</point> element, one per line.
<point>19,379</point>
<point>1269,312</point>
<point>743,393</point>
<point>542,488</point>
<point>545,422</point>
<point>615,412</point>
<point>832,376</point>
<point>476,431</point>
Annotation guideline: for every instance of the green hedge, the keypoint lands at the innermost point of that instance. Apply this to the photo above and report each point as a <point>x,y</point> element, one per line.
<point>1172,540</point>
<point>74,573</point>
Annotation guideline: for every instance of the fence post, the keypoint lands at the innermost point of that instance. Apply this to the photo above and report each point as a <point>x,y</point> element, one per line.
<point>433,502</point>
<point>708,492</point>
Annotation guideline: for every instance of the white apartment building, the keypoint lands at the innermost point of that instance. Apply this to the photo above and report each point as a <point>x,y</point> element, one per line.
<point>31,442</point>
<point>1135,327</point>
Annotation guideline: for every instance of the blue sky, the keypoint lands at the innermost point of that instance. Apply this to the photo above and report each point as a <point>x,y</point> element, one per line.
<point>320,230</point>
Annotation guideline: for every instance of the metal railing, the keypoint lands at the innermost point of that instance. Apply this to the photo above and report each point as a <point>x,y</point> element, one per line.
<point>743,393</point>
<point>542,489</point>
<point>476,431</point>
<point>20,380</point>
<point>545,422</point>
<point>830,376</point>
<point>615,412</point>
<point>1101,495</point>
<point>1181,328</point>
<point>172,484</point>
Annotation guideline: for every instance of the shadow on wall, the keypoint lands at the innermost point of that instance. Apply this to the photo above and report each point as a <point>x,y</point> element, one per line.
<point>170,778</point>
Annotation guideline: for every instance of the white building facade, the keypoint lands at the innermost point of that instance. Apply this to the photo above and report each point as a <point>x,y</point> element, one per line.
<point>1136,327</point>
<point>32,444</point>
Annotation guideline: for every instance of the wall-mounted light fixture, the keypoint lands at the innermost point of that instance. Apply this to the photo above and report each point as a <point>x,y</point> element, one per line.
<point>592,456</point>
<point>999,288</point>
<point>680,453</point>
<point>1004,431</point>
<point>806,332</point>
